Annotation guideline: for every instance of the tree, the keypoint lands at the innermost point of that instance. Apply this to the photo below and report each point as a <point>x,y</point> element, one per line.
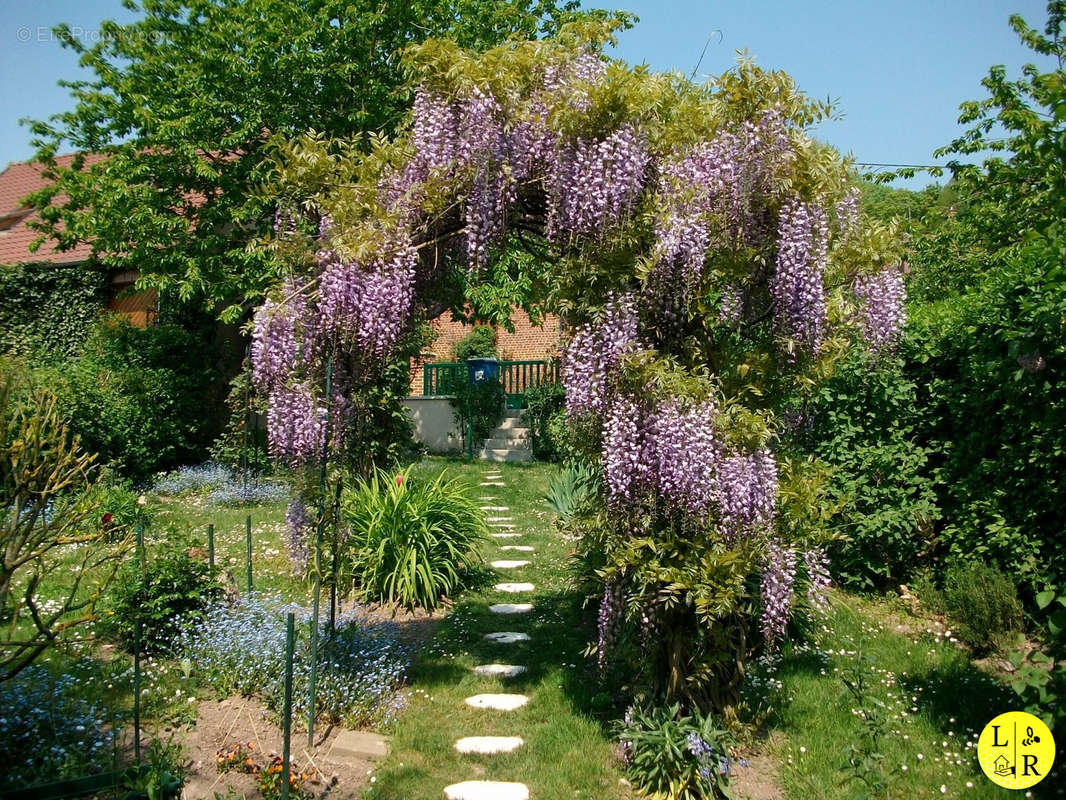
<point>712,265</point>
<point>185,101</point>
<point>50,527</point>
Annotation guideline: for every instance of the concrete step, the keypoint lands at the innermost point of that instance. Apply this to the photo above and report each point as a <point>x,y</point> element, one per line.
<point>510,433</point>
<point>505,454</point>
<point>507,423</point>
<point>505,443</point>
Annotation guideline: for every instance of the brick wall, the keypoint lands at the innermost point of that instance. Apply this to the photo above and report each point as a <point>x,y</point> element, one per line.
<point>528,342</point>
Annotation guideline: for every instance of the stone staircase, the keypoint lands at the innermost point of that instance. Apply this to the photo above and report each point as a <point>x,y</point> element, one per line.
<point>509,441</point>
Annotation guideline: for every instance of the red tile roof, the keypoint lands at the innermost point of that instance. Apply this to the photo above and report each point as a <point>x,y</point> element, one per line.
<point>17,181</point>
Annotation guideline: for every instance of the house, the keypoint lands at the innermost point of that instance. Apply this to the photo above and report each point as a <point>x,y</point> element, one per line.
<point>19,180</point>
<point>527,342</point>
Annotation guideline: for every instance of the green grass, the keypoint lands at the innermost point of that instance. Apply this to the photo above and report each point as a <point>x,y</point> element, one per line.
<point>271,567</point>
<point>936,699</point>
<point>566,753</point>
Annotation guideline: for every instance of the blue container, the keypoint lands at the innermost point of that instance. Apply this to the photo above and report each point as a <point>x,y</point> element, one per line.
<point>483,370</point>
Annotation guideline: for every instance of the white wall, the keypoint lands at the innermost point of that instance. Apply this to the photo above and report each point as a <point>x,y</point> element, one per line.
<point>434,422</point>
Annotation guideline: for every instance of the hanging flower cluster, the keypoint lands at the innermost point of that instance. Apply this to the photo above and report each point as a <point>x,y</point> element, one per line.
<point>848,212</point>
<point>709,194</point>
<point>747,492</point>
<point>594,184</point>
<point>296,424</point>
<point>778,579</point>
<point>674,453</point>
<point>367,305</point>
<point>798,286</point>
<point>883,298</point>
<point>687,456</point>
<point>818,579</point>
<point>594,353</point>
<point>299,521</point>
<point>609,621</point>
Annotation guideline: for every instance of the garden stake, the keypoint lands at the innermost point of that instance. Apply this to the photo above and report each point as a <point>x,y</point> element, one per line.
<point>140,547</point>
<point>137,691</point>
<point>318,562</point>
<point>286,720</point>
<point>333,569</point>
<point>248,540</point>
<point>211,546</point>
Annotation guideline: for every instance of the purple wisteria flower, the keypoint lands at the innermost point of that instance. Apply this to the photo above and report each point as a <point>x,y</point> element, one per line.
<point>778,577</point>
<point>593,353</point>
<point>883,298</point>
<point>798,287</point>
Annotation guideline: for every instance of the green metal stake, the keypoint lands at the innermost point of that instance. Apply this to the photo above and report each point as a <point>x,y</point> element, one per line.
<point>312,687</point>
<point>137,691</point>
<point>248,541</point>
<point>143,566</point>
<point>211,546</point>
<point>286,720</point>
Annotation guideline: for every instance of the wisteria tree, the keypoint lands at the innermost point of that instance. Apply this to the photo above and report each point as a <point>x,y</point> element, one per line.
<point>710,261</point>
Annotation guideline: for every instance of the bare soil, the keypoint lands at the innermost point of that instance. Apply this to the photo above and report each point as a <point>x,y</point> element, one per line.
<point>759,780</point>
<point>222,724</point>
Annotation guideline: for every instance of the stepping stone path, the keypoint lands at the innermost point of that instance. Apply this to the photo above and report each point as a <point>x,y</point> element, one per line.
<point>486,790</point>
<point>499,670</point>
<point>511,608</point>
<point>489,745</point>
<point>507,637</point>
<point>497,702</point>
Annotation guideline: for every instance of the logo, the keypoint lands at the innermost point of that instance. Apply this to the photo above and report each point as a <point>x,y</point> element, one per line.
<point>1016,750</point>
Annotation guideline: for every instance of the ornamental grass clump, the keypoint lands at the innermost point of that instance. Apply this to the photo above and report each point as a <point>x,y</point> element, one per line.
<point>411,542</point>
<point>240,649</point>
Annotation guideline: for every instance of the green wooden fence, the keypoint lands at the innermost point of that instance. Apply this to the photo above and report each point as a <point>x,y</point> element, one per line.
<point>442,378</point>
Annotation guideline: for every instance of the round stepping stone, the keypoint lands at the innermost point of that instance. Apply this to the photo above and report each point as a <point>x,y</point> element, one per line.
<point>499,670</point>
<point>497,702</point>
<point>511,608</point>
<point>490,483</point>
<point>508,564</point>
<point>505,535</point>
<point>499,519</point>
<point>522,548</point>
<point>486,790</point>
<point>489,745</point>
<point>495,508</point>
<point>514,587</point>
<point>507,637</point>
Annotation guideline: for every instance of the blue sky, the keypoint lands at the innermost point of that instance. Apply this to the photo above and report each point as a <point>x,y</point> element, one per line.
<point>898,68</point>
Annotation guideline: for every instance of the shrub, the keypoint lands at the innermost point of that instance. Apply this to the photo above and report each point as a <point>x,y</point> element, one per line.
<point>983,601</point>
<point>51,526</point>
<point>411,542</point>
<point>174,591</point>
<point>1040,677</point>
<point>543,403</point>
<point>139,398</point>
<point>676,757</point>
<point>47,310</point>
<point>240,648</point>
<point>483,402</point>
<point>479,343</point>
<point>863,426</point>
